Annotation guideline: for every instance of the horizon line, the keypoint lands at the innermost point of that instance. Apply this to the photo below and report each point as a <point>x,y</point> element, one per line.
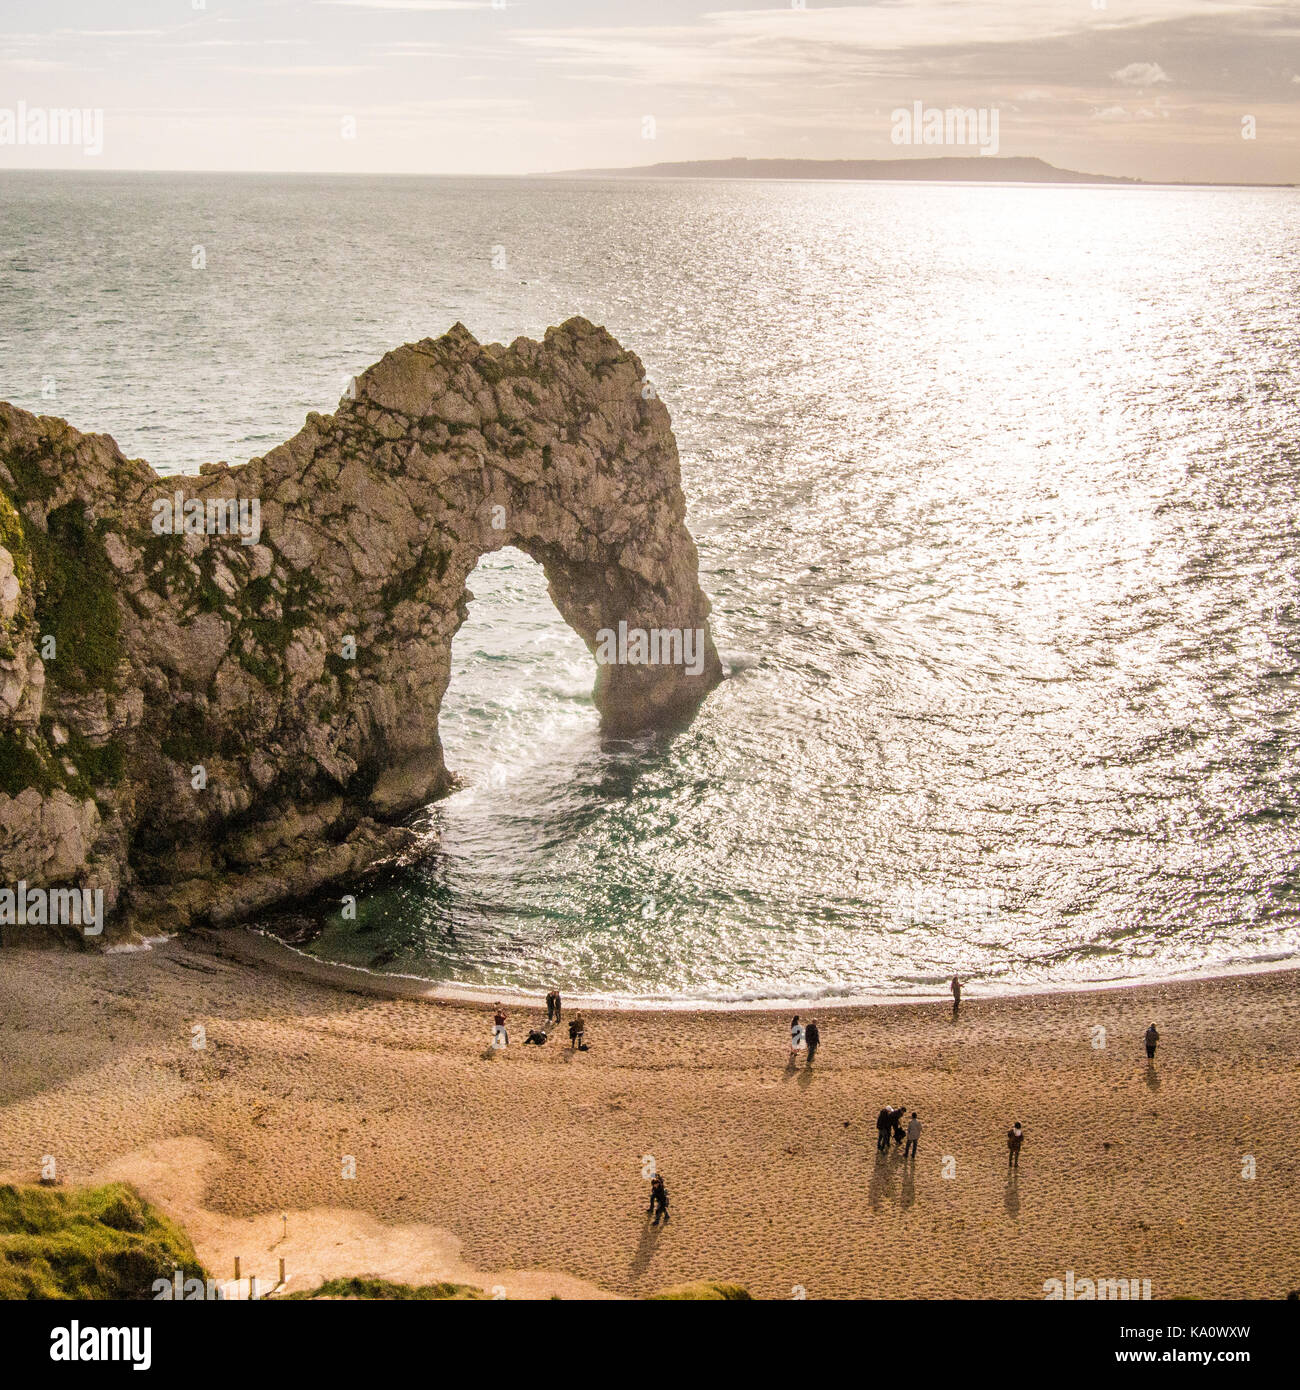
<point>642,170</point>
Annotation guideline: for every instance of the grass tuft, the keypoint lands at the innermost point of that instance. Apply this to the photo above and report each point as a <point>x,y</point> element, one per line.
<point>91,1242</point>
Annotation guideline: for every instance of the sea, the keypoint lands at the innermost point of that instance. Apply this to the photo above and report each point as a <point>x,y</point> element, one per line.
<point>995,494</point>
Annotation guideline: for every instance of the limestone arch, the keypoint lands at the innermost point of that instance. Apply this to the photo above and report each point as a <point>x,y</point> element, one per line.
<point>304,667</point>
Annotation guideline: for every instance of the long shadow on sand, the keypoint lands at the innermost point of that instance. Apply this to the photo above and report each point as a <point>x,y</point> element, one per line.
<point>1011,1198</point>
<point>645,1249</point>
<point>882,1182</point>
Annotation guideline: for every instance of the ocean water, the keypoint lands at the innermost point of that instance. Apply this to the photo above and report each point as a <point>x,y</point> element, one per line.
<point>995,491</point>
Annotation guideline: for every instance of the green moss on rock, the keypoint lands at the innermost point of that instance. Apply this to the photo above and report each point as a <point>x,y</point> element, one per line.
<point>187,739</point>
<point>14,539</point>
<point>75,601</point>
<point>25,763</point>
<point>31,479</point>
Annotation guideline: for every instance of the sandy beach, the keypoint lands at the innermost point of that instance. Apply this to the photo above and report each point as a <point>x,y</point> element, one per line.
<point>522,1171</point>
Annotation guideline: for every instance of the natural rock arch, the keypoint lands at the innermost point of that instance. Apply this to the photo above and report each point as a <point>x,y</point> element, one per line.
<point>176,651</point>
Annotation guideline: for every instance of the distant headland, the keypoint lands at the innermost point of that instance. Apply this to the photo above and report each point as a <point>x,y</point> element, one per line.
<point>935,169</point>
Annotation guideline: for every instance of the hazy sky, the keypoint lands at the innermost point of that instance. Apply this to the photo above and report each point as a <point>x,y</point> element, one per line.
<point>1153,88</point>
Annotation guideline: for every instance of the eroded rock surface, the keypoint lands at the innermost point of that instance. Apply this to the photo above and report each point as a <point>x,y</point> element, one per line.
<point>303,673</point>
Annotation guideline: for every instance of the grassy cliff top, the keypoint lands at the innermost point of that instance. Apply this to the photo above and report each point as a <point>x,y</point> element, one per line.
<point>90,1242</point>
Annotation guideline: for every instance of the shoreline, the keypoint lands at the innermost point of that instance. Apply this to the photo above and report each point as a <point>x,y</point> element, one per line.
<point>251,946</point>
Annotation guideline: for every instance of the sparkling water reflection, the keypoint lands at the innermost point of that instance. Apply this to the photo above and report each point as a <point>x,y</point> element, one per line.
<point>995,494</point>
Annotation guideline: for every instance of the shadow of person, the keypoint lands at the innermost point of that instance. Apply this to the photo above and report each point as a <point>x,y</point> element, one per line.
<point>907,1197</point>
<point>791,1066</point>
<point>1011,1198</point>
<point>806,1076</point>
<point>489,1052</point>
<point>1153,1077</point>
<point>882,1182</point>
<point>645,1247</point>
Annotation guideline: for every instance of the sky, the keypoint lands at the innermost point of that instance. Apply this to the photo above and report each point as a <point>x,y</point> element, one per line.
<point>1196,90</point>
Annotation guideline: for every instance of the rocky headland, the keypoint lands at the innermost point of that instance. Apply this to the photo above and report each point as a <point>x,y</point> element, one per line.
<point>221,692</point>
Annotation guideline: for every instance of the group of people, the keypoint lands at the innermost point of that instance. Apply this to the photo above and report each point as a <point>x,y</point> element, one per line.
<point>890,1122</point>
<point>542,1033</point>
<point>804,1035</point>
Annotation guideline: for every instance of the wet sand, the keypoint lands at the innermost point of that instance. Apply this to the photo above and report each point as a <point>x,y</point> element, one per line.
<point>522,1170</point>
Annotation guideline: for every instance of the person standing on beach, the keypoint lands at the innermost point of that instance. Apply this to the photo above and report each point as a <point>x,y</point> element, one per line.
<point>812,1039</point>
<point>884,1123</point>
<point>796,1036</point>
<point>896,1124</point>
<point>956,996</point>
<point>658,1201</point>
<point>1015,1137</point>
<point>1152,1038</point>
<point>913,1134</point>
<point>500,1038</point>
<point>550,1006</point>
<point>577,1026</point>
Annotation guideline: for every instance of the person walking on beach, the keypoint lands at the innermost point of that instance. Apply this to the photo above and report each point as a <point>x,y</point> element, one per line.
<point>1015,1137</point>
<point>956,996</point>
<point>577,1026</point>
<point>500,1038</point>
<point>796,1036</point>
<point>913,1134</point>
<point>812,1039</point>
<point>550,1006</point>
<point>884,1123</point>
<point>658,1201</point>
<point>1152,1038</point>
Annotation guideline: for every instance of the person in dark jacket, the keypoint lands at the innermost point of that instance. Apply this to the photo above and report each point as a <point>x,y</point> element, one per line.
<point>884,1121</point>
<point>1152,1038</point>
<point>812,1039</point>
<point>1015,1137</point>
<point>896,1124</point>
<point>658,1201</point>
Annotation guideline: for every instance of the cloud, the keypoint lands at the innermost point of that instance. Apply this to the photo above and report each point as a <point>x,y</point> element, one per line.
<point>1141,75</point>
<point>1139,113</point>
<point>237,43</point>
<point>305,70</point>
<point>408,4</point>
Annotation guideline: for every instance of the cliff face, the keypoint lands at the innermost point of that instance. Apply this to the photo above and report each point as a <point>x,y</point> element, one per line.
<point>202,724</point>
